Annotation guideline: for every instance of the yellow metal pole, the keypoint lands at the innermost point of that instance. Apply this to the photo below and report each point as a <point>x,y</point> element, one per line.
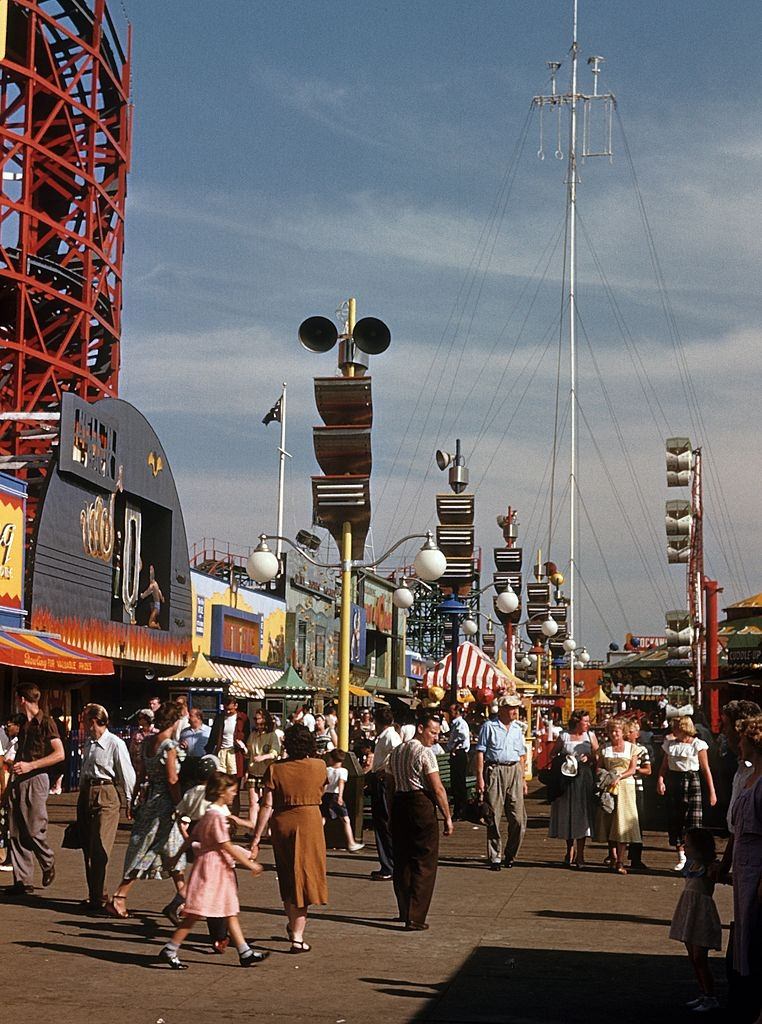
<point>345,615</point>
<point>538,680</point>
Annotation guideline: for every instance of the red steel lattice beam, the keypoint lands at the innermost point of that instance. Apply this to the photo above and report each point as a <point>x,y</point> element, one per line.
<point>65,125</point>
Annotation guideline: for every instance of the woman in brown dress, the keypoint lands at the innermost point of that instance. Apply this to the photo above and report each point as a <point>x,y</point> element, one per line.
<point>292,793</point>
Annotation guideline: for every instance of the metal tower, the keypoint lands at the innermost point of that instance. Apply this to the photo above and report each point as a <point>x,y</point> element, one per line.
<point>65,120</point>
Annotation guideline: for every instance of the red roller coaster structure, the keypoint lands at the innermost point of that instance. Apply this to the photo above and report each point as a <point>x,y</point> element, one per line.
<point>65,125</point>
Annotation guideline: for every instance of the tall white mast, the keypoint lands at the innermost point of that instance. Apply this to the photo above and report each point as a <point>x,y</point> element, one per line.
<point>572,214</point>
<point>554,104</point>
<point>282,456</point>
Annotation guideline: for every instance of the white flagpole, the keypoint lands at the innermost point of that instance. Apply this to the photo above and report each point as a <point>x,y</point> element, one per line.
<point>282,456</point>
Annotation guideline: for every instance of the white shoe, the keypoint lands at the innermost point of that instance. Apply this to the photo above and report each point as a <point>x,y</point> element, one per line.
<point>707,1004</point>
<point>695,1002</point>
<point>355,847</point>
<point>680,864</point>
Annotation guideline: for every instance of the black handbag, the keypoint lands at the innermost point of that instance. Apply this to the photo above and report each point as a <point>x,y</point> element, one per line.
<point>553,778</point>
<point>72,840</point>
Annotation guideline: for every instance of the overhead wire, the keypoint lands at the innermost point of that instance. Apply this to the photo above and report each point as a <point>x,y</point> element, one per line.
<point>693,405</point>
<point>658,593</point>
<point>670,583</point>
<point>496,215</point>
<point>486,422</point>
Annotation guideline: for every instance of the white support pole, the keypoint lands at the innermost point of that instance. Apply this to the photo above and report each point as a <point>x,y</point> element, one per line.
<point>282,456</point>
<point>572,185</point>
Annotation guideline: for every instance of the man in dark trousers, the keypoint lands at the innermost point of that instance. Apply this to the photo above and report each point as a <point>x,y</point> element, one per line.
<point>387,738</point>
<point>418,791</point>
<point>106,765</point>
<point>39,748</point>
<point>458,744</point>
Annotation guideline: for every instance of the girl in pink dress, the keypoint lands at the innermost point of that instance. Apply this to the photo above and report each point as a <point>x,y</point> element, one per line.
<point>212,890</point>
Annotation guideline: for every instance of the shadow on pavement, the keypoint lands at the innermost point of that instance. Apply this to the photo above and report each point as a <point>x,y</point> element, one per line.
<point>501,985</point>
<point>321,915</point>
<point>114,956</point>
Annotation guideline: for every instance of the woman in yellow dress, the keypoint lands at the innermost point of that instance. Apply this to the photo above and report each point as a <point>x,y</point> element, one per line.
<point>621,826</point>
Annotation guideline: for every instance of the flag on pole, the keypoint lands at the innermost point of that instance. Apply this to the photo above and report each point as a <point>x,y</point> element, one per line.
<point>274,414</point>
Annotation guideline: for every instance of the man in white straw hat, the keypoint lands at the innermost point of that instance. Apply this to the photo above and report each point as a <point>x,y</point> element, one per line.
<point>501,755</point>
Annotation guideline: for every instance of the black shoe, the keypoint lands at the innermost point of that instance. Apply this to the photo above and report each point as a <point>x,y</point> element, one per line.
<point>508,863</point>
<point>172,911</point>
<point>172,960</point>
<point>380,876</point>
<point>495,865</point>
<point>91,909</point>
<point>251,958</point>
<point>17,891</point>
<point>415,926</point>
<point>48,876</point>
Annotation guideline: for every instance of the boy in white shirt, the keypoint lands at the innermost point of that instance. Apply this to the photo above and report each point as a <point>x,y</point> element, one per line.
<point>332,805</point>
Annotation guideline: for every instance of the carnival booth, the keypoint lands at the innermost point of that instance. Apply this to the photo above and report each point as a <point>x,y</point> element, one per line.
<point>479,677</point>
<point>480,682</point>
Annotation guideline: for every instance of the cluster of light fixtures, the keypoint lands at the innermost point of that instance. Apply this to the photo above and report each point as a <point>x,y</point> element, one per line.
<point>430,563</point>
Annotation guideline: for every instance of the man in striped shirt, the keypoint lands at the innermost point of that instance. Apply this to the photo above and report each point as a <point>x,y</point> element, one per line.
<point>418,791</point>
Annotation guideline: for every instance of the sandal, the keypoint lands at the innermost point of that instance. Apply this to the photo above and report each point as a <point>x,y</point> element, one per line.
<point>621,869</point>
<point>111,910</point>
<point>299,946</point>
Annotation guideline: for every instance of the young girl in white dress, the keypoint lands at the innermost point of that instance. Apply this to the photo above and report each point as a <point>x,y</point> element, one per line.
<point>696,921</point>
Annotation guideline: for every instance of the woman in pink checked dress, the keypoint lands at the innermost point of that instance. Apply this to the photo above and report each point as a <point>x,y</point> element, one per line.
<point>212,890</point>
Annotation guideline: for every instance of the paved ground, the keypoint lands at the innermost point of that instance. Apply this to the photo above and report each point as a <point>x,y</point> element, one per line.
<point>533,945</point>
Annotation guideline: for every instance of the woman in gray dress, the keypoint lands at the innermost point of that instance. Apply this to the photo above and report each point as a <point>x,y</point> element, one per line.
<point>156,837</point>
<point>572,813</point>
<point>747,856</point>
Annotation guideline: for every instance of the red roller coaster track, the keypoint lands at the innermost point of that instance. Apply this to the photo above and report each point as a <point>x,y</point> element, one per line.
<point>65,120</point>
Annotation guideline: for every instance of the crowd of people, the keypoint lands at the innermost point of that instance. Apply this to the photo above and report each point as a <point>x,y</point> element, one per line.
<point>179,782</point>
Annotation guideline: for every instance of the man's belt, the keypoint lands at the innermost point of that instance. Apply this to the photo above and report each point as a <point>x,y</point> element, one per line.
<point>501,764</point>
<point>99,782</point>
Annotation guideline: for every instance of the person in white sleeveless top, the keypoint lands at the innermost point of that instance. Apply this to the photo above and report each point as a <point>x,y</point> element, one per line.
<point>685,760</point>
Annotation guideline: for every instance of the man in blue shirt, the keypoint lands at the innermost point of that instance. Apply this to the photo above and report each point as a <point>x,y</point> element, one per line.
<point>500,766</point>
<point>457,744</point>
<point>196,736</point>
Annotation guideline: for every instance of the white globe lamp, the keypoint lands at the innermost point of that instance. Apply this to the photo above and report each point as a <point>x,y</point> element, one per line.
<point>549,627</point>
<point>570,645</point>
<point>584,657</point>
<point>526,662</point>
<point>430,563</point>
<point>507,601</point>
<point>403,597</point>
<point>262,565</point>
<point>469,627</point>
<point>532,658</point>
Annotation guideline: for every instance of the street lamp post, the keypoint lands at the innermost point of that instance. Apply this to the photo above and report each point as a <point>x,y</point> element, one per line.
<point>263,566</point>
<point>455,610</point>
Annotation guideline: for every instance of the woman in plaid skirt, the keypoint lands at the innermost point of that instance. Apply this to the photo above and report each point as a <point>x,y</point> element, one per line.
<point>685,760</point>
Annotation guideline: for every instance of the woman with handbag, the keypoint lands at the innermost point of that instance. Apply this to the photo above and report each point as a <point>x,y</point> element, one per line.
<point>620,826</point>
<point>572,812</point>
<point>156,840</point>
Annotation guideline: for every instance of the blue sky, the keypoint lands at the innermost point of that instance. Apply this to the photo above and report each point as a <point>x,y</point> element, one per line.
<point>288,155</point>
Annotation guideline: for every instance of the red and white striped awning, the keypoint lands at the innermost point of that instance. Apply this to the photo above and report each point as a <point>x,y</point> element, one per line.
<point>475,670</point>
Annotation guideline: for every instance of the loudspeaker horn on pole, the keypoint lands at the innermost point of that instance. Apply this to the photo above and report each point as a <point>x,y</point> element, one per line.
<point>444,459</point>
<point>371,335</point>
<point>319,334</point>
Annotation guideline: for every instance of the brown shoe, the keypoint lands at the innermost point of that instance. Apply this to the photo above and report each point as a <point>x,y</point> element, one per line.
<point>48,876</point>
